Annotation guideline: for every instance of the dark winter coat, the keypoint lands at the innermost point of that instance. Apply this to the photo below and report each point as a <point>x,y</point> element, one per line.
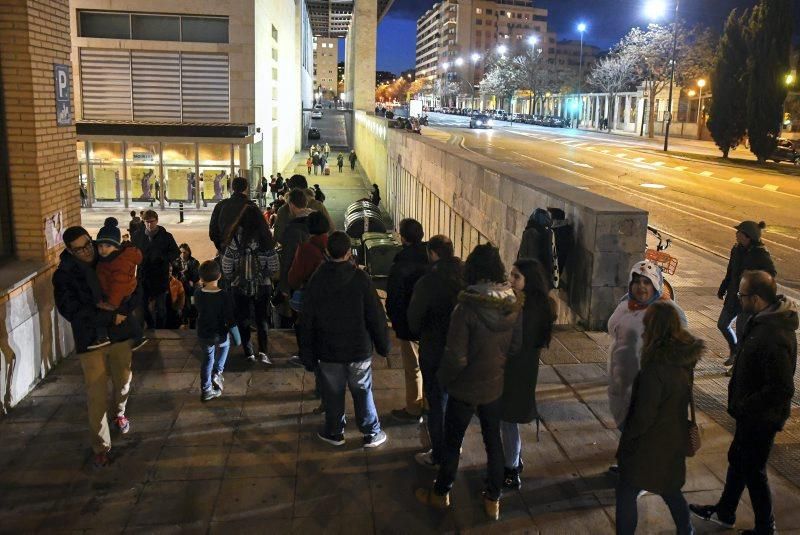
<point>743,258</point>
<point>478,340</point>
<point>537,241</point>
<point>158,253</point>
<point>409,265</point>
<point>531,334</point>
<point>432,302</point>
<point>342,317</point>
<point>653,446</point>
<point>762,383</point>
<point>225,214</point>
<point>76,290</point>
<point>296,234</point>
<point>284,216</point>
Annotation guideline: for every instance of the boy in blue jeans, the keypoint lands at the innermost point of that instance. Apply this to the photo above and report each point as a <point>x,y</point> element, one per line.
<point>214,308</point>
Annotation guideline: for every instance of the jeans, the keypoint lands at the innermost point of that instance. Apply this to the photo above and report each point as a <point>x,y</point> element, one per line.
<point>437,402</point>
<point>724,323</point>
<point>156,310</point>
<point>245,317</point>
<point>215,354</point>
<point>456,421</point>
<point>628,516</point>
<point>512,444</point>
<point>357,376</point>
<point>747,467</point>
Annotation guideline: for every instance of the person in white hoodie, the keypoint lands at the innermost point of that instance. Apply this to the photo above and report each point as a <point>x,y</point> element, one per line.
<point>626,326</point>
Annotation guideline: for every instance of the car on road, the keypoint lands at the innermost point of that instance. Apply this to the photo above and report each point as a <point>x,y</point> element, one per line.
<point>316,114</point>
<point>555,121</point>
<point>786,151</point>
<point>313,133</point>
<point>480,121</point>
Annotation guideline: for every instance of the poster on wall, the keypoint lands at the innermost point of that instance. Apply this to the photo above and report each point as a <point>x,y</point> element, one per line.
<point>178,189</point>
<point>106,183</point>
<point>214,184</point>
<point>143,183</point>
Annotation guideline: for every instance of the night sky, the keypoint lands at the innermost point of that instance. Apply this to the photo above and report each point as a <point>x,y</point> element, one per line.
<point>608,21</point>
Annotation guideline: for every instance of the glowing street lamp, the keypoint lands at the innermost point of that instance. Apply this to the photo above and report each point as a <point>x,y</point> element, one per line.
<point>581,29</point>
<point>502,49</point>
<point>475,57</point>
<point>459,62</point>
<point>533,40</point>
<point>657,9</point>
<point>789,79</point>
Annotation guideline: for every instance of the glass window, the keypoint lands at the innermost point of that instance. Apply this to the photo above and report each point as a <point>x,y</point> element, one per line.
<point>179,176</point>
<point>155,28</point>
<point>215,171</point>
<point>106,162</point>
<point>105,25</point>
<point>204,29</point>
<point>143,180</point>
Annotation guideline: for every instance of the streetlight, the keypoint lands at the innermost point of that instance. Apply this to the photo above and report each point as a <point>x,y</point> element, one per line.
<point>789,81</point>
<point>459,62</point>
<point>502,49</point>
<point>581,29</point>
<point>475,57</point>
<point>533,40</point>
<point>658,9</point>
<point>701,83</point>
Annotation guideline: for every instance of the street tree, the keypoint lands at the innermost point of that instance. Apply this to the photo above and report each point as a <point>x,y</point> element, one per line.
<point>727,120</point>
<point>613,74</point>
<point>533,73</point>
<point>769,40</point>
<point>698,55</point>
<point>500,80</point>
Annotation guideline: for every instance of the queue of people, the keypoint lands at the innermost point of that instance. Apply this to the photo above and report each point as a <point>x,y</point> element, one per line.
<point>470,335</point>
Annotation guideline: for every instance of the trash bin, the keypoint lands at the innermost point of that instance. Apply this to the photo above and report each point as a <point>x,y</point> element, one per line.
<point>358,249</point>
<point>379,257</point>
<point>357,222</point>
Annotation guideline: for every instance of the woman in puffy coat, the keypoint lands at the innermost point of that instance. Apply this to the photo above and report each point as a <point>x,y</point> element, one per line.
<point>532,332</point>
<point>653,447</point>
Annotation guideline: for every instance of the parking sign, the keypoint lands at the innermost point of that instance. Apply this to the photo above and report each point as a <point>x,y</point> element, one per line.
<point>61,79</point>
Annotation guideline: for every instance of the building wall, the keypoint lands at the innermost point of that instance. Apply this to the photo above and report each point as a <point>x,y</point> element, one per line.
<point>326,59</point>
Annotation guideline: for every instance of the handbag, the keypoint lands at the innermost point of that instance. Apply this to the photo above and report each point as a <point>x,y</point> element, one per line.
<point>693,442</point>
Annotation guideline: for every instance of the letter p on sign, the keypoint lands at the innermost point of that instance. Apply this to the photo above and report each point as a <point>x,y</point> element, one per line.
<point>61,79</point>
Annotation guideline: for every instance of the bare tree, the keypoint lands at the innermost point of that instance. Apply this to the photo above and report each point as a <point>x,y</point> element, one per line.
<point>612,75</point>
<point>533,73</point>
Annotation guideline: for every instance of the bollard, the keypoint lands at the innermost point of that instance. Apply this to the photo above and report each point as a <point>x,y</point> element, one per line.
<point>180,211</point>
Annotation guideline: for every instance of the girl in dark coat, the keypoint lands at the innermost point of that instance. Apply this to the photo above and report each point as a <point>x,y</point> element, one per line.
<point>652,449</point>
<point>534,329</point>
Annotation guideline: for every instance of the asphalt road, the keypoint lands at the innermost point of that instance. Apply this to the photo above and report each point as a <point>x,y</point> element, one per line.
<point>697,202</point>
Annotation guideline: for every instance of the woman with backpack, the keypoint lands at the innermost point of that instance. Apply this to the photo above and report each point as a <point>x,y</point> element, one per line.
<point>249,262</point>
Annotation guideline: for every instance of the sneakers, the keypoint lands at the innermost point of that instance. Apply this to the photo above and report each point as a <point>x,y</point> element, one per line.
<point>295,361</point>
<point>491,507</point>
<point>123,424</point>
<point>101,460</point>
<point>250,358</point>
<point>512,480</point>
<point>709,514</point>
<point>402,415</point>
<point>373,441</point>
<point>425,458</point>
<point>100,342</point>
<point>218,382</point>
<point>430,498</point>
<point>137,344</point>
<point>264,358</point>
<point>333,440</point>
<point>210,394</point>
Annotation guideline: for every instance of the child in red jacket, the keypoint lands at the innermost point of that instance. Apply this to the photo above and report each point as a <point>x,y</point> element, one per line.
<point>116,271</point>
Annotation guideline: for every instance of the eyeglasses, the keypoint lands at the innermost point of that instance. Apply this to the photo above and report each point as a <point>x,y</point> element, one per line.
<point>84,248</point>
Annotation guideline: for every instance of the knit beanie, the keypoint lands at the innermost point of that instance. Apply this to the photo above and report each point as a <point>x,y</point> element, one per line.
<point>752,229</point>
<point>110,232</point>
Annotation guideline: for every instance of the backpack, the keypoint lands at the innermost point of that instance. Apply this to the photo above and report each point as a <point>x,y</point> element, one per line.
<point>248,274</point>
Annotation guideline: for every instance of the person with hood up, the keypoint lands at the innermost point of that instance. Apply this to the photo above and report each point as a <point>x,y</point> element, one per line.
<point>759,399</point>
<point>537,242</point>
<point>626,326</point>
<point>653,446</point>
<point>533,332</point>
<point>478,340</point>
<point>343,322</point>
<point>749,252</point>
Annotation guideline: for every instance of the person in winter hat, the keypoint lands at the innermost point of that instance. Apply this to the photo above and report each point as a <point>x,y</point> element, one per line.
<point>625,326</point>
<point>116,271</point>
<point>749,252</point>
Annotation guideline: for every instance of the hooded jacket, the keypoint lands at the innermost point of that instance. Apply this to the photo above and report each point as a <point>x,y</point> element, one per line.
<point>762,383</point>
<point>537,241</point>
<point>117,273</point>
<point>342,317</point>
<point>653,446</point>
<point>158,253</point>
<point>284,217</point>
<point>294,236</point>
<point>225,214</point>
<point>478,340</point>
<point>409,265</point>
<point>755,257</point>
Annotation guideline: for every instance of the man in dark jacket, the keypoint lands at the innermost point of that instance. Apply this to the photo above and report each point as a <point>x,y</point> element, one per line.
<point>227,211</point>
<point>159,251</point>
<point>77,291</point>
<point>284,215</point>
<point>759,399</point>
<point>296,234</point>
<point>748,253</point>
<point>409,265</point>
<point>537,242</point>
<point>342,322</point>
<point>432,302</point>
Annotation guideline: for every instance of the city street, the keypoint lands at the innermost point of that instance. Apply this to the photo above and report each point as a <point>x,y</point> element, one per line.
<point>696,201</point>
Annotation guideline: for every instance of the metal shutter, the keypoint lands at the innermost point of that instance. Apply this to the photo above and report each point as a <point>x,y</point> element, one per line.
<point>106,84</point>
<point>156,86</point>
<point>205,87</point>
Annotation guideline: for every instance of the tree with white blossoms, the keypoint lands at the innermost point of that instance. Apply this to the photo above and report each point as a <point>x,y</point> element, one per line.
<point>501,80</point>
<point>612,75</point>
<point>533,74</point>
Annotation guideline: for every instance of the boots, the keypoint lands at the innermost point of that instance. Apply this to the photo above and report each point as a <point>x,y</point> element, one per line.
<point>512,480</point>
<point>429,497</point>
<point>491,507</point>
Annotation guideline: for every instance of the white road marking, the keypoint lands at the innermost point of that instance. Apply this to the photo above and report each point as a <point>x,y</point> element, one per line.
<point>577,163</point>
<point>605,151</point>
<point>658,164</point>
<point>679,168</point>
<point>653,186</point>
<point>736,180</point>
<point>706,173</point>
<point>621,155</point>
<point>770,187</point>
<point>639,159</point>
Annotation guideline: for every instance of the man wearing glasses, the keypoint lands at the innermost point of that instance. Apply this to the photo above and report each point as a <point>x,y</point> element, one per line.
<point>77,290</point>
<point>759,399</point>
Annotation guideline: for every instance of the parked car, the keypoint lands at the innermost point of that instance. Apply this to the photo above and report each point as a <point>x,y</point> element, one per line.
<point>313,133</point>
<point>480,121</point>
<point>316,114</point>
<point>786,151</point>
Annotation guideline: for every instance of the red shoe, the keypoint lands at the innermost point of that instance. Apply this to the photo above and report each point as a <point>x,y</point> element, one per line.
<point>123,424</point>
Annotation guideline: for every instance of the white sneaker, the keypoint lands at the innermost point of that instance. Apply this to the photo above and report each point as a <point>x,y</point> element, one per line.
<point>425,458</point>
<point>264,358</point>
<point>295,361</point>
